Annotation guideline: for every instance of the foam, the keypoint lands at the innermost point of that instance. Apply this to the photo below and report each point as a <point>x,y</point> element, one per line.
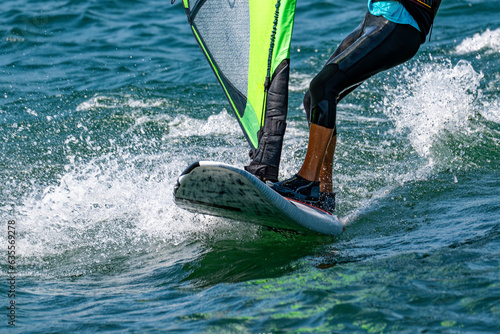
<point>218,124</point>
<point>108,102</point>
<point>489,40</point>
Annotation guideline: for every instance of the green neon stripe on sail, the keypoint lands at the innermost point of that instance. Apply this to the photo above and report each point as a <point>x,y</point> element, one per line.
<point>249,121</point>
<point>261,25</point>
<point>284,33</point>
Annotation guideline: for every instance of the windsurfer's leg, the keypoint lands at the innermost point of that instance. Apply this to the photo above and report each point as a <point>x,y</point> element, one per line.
<point>319,138</point>
<point>326,171</point>
<point>322,116</point>
<point>381,45</point>
<point>318,133</point>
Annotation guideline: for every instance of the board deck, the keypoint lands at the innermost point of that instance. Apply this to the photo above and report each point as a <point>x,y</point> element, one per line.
<point>223,190</point>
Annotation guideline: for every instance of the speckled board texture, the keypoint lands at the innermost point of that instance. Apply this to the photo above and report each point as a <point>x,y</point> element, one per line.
<point>223,190</point>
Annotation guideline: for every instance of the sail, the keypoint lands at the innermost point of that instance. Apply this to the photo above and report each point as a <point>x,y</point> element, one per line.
<point>246,42</point>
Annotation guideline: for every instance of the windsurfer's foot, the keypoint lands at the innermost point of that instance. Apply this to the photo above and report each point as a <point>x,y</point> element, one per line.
<point>298,188</point>
<point>306,191</point>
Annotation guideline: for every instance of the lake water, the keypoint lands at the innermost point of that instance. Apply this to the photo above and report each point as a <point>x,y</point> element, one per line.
<point>103,105</point>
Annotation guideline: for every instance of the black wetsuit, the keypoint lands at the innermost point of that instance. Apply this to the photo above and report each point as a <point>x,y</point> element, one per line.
<point>377,44</point>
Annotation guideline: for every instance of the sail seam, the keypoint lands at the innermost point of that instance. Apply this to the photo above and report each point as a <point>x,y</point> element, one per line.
<point>195,10</point>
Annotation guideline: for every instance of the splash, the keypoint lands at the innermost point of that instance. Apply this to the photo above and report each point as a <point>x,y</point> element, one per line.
<point>119,200</point>
<point>435,99</point>
<point>102,204</point>
<point>433,111</point>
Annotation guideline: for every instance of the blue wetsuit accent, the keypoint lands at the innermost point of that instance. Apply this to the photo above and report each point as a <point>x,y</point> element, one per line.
<point>393,11</point>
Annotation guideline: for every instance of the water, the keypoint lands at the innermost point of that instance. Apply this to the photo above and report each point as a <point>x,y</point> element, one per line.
<point>103,105</point>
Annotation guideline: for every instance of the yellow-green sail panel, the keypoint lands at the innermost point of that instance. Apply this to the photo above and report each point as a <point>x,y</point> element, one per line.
<point>244,42</point>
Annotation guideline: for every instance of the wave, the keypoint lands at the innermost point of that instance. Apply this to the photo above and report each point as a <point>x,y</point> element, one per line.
<point>127,101</point>
<point>489,40</point>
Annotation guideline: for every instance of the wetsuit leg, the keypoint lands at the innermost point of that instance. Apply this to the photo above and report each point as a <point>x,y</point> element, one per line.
<point>349,40</point>
<point>376,45</point>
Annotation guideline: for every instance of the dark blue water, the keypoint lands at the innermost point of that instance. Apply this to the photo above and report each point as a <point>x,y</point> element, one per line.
<point>103,105</point>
